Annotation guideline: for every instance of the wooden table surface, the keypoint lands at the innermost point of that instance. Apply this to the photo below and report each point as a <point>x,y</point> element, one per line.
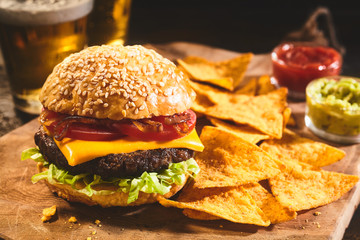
<point>21,208</point>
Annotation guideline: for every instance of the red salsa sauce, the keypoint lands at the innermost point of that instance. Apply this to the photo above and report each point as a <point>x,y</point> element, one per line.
<point>294,66</point>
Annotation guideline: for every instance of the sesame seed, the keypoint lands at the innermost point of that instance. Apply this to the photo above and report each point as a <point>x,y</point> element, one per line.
<point>52,102</point>
<point>106,104</point>
<point>136,111</point>
<point>123,113</point>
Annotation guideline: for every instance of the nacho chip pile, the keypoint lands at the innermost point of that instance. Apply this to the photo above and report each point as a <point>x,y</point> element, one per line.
<point>264,113</point>
<point>253,169</point>
<point>226,74</point>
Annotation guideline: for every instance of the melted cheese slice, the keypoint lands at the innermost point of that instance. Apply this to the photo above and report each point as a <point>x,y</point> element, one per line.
<point>79,151</point>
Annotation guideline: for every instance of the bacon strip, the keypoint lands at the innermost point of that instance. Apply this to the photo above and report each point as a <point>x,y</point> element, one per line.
<point>147,125</point>
<point>62,127</point>
<point>176,118</point>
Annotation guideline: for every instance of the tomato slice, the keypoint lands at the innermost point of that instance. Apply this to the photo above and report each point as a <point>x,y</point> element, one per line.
<point>107,130</point>
<point>168,132</point>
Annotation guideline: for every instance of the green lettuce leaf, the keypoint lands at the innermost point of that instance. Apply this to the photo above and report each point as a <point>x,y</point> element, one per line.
<point>148,182</point>
<point>32,153</point>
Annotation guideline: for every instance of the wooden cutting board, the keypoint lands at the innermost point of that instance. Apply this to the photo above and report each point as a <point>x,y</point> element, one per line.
<point>21,202</point>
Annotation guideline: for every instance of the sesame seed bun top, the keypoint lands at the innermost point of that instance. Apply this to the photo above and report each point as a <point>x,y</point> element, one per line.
<point>117,82</point>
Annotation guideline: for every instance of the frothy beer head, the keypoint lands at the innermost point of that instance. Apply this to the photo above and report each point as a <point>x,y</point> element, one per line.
<point>42,12</point>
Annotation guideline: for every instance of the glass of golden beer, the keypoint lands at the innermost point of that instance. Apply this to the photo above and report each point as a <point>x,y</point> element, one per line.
<point>35,36</point>
<point>108,22</point>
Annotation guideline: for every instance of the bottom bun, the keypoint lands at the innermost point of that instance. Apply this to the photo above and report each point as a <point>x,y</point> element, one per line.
<point>116,199</point>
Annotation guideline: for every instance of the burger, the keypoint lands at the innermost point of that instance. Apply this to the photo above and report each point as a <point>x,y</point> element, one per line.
<point>116,128</point>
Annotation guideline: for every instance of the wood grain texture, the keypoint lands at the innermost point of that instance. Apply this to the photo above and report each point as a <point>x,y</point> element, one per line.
<point>21,202</point>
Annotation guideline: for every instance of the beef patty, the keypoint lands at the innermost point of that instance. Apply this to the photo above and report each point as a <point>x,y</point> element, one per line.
<point>113,165</point>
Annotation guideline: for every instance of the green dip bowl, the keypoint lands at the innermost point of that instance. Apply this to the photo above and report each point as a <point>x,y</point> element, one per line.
<point>333,108</point>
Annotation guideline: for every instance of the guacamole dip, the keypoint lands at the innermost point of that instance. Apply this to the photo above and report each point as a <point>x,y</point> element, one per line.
<point>333,105</point>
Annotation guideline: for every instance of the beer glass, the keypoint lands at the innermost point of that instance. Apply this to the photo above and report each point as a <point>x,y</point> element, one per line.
<point>35,36</point>
<point>108,22</point>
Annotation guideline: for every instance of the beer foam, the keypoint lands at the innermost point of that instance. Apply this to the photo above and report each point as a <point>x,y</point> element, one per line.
<point>43,12</point>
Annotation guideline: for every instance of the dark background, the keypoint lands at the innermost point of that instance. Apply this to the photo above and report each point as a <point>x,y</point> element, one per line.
<point>242,25</point>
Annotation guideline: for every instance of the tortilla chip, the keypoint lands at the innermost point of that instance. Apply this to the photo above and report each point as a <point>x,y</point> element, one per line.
<point>286,114</point>
<point>249,88</point>
<point>243,131</point>
<point>295,148</point>
<point>291,122</point>
<point>272,208</point>
<point>305,189</point>
<point>264,112</point>
<point>226,74</point>
<point>288,118</point>
<point>264,85</point>
<point>228,160</point>
<point>233,204</point>
<point>195,214</point>
<point>204,89</point>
